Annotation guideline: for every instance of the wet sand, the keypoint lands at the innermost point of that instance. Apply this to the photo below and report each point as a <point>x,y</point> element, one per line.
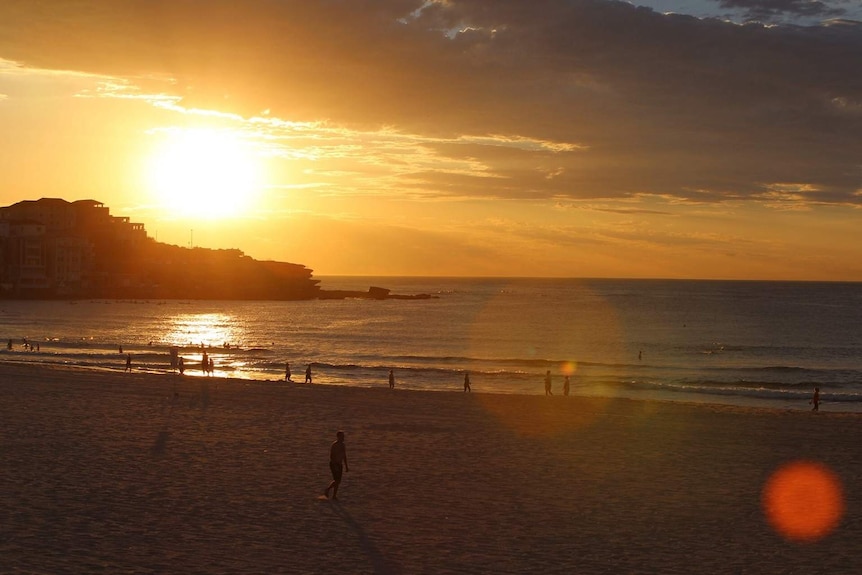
<point>111,472</point>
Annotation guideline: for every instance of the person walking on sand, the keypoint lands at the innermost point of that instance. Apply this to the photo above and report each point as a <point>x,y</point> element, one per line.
<point>337,458</point>
<point>548,383</point>
<point>815,400</point>
<point>391,380</point>
<point>308,374</point>
<point>287,372</point>
<point>566,386</point>
<point>467,382</point>
<point>128,362</point>
<point>181,364</point>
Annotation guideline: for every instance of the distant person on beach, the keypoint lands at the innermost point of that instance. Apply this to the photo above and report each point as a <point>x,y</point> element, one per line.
<point>815,400</point>
<point>308,374</point>
<point>467,382</point>
<point>211,366</point>
<point>9,345</point>
<point>548,383</point>
<point>128,362</point>
<point>337,458</point>
<point>181,364</point>
<point>391,380</point>
<point>205,363</point>
<point>287,372</point>
<point>566,386</point>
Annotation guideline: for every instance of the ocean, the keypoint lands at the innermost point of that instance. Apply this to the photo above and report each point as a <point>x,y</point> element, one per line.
<point>732,342</point>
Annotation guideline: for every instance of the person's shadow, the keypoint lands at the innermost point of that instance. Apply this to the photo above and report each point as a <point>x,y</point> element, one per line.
<point>379,563</point>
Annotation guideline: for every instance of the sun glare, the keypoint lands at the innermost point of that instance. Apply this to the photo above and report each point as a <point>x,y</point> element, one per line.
<point>205,174</point>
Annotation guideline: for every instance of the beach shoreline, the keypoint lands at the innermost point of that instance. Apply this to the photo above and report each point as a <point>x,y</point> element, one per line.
<point>156,473</point>
<point>829,402</point>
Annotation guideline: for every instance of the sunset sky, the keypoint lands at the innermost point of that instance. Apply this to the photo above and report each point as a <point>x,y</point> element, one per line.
<point>564,138</point>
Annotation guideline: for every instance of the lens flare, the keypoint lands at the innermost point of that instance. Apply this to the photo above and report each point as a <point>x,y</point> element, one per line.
<point>566,339</point>
<point>803,501</point>
<point>569,368</point>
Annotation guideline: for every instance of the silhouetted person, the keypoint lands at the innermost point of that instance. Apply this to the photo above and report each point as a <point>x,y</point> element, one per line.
<point>566,386</point>
<point>287,372</point>
<point>467,382</point>
<point>205,363</point>
<point>337,457</point>
<point>548,383</point>
<point>181,364</point>
<point>391,380</point>
<point>128,362</point>
<point>815,400</point>
<point>211,366</point>
<point>9,345</point>
<point>121,350</point>
<point>308,374</point>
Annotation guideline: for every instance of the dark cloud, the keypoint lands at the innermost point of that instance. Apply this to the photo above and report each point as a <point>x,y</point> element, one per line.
<point>665,104</point>
<point>769,10</point>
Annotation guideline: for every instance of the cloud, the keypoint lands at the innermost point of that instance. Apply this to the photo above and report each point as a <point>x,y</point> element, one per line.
<point>490,97</point>
<point>771,10</point>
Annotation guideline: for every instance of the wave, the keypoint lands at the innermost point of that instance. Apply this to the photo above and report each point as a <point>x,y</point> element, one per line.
<point>268,359</point>
<point>747,391</point>
<point>775,383</point>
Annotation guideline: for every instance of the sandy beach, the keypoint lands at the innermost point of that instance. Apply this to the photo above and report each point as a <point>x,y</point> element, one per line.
<point>112,472</point>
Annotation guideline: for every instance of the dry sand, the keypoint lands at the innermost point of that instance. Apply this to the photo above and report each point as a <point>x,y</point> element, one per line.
<point>108,472</point>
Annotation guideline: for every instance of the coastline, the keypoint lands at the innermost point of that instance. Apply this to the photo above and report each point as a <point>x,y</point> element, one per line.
<point>108,470</point>
<point>797,402</point>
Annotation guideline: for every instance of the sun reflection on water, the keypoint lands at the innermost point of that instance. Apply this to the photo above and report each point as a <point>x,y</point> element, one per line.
<point>207,329</point>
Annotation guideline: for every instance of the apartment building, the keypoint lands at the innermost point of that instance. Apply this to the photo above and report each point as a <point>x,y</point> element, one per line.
<point>50,247</point>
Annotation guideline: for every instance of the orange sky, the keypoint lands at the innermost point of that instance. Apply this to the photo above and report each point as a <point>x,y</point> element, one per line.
<point>394,137</point>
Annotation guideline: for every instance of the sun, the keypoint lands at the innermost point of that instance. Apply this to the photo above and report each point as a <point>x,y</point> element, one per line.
<point>205,173</point>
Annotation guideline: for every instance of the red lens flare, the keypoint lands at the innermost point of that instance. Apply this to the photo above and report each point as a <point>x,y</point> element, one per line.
<point>803,501</point>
